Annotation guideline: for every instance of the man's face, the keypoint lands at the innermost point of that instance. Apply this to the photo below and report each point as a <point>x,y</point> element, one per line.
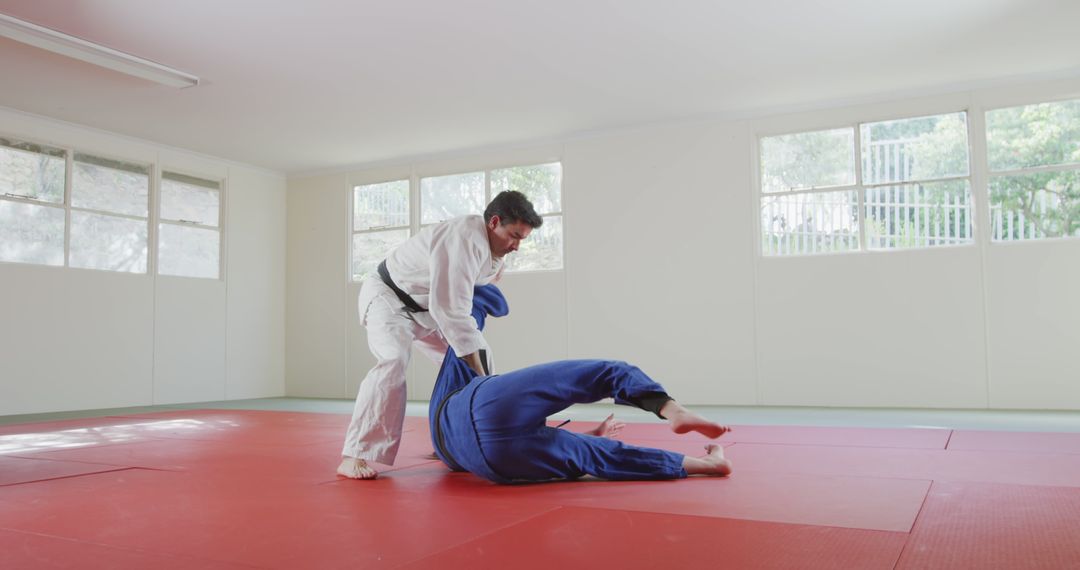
<point>506,238</point>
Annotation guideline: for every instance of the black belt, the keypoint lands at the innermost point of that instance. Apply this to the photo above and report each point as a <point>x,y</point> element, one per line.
<point>440,443</point>
<point>410,304</point>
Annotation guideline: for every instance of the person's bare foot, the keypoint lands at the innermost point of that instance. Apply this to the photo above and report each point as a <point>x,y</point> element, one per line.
<point>712,463</point>
<point>354,468</point>
<point>609,428</point>
<point>683,421</point>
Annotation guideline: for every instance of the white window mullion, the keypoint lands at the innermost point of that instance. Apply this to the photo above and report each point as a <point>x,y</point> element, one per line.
<point>69,167</point>
<point>185,224</point>
<point>108,213</point>
<point>152,227</point>
<point>223,210</point>
<point>861,189</point>
<point>350,216</point>
<point>980,180</point>
<point>414,202</point>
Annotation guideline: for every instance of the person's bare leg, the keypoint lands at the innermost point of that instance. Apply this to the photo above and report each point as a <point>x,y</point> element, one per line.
<point>354,468</point>
<point>683,421</point>
<point>608,428</point>
<point>712,463</point>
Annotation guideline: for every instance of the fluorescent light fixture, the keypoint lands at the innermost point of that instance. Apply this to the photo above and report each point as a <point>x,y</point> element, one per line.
<point>78,48</point>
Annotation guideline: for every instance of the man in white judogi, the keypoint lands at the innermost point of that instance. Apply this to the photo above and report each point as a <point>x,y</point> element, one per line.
<point>424,295</point>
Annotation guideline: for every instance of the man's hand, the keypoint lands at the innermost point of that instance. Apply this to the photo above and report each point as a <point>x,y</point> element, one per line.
<point>609,428</point>
<point>473,360</point>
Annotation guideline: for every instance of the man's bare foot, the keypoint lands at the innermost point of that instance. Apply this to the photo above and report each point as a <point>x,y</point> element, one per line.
<point>356,469</point>
<point>683,421</point>
<point>712,463</point>
<point>609,428</point>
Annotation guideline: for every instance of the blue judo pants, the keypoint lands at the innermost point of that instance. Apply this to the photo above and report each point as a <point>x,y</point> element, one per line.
<point>510,412</point>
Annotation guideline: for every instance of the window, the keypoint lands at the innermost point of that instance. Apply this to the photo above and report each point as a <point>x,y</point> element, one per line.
<point>189,233</point>
<point>542,185</point>
<point>68,208</point>
<point>910,187</point>
<point>382,213</point>
<point>801,212</point>
<point>380,222</point>
<point>109,214</point>
<point>446,197</point>
<point>1033,153</point>
<point>32,209</point>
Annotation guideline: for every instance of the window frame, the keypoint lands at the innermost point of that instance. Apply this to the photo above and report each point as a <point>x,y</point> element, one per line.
<point>416,205</point>
<point>151,233</point>
<point>154,172</point>
<point>860,187</point>
<point>159,219</point>
<point>64,205</point>
<point>988,174</point>
<point>351,217</point>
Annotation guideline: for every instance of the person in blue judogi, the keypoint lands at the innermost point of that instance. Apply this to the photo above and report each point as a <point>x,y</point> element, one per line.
<point>495,426</point>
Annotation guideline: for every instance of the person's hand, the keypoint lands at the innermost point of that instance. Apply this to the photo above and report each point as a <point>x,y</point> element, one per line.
<point>473,360</point>
<point>609,428</point>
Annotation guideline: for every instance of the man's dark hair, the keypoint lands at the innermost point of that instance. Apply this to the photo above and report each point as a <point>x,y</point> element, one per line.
<point>512,206</point>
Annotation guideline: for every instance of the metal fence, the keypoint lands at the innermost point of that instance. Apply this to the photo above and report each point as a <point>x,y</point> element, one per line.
<point>1017,225</point>
<point>381,205</point>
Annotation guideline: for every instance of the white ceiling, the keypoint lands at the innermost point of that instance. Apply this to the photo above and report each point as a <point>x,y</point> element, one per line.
<point>298,86</point>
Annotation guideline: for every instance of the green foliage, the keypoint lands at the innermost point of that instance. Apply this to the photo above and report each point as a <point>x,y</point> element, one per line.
<point>942,151</point>
<point>1046,134</point>
<point>1049,203</point>
<point>1033,135</point>
<point>541,184</point>
<point>445,197</point>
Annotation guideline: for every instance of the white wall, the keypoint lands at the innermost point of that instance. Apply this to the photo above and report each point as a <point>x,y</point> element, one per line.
<point>85,339</point>
<point>315,291</point>
<point>659,257</point>
<point>662,269</point>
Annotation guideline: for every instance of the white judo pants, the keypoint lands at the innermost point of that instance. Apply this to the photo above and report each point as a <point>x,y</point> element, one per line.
<point>374,433</point>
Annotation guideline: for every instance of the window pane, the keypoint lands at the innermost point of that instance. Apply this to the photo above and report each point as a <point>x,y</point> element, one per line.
<point>185,199</point>
<point>915,149</point>
<point>111,186</point>
<point>1033,135</point>
<point>445,197</point>
<point>918,215</point>
<point>543,249</point>
<point>808,160</point>
<point>541,184</point>
<point>381,205</point>
<point>1035,206</point>
<point>188,251</point>
<point>819,222</point>
<point>369,249</point>
<point>31,234</point>
<point>107,242</point>
<point>32,171</point>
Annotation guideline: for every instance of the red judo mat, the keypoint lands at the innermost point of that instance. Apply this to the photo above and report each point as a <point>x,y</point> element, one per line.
<point>256,489</point>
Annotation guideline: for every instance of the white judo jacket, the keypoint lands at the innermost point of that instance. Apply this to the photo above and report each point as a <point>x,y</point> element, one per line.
<point>438,268</point>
